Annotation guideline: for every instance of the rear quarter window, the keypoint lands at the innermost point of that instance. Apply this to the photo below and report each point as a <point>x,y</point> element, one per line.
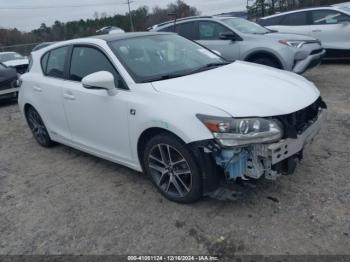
<point>44,59</point>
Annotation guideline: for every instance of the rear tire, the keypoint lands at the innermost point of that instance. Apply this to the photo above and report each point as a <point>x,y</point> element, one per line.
<point>172,169</point>
<point>38,128</point>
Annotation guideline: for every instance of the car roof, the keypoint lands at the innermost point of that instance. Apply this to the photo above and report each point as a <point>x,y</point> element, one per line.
<point>342,4</point>
<point>190,18</point>
<point>122,36</point>
<point>300,10</point>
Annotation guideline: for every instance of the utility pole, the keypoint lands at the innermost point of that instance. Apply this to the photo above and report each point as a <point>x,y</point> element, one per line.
<point>130,16</point>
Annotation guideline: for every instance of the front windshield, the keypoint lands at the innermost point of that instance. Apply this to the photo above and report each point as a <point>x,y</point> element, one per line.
<point>10,56</point>
<point>159,57</point>
<point>245,26</point>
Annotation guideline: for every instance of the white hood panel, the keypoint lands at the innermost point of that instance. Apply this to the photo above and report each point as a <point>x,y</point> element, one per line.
<point>245,90</point>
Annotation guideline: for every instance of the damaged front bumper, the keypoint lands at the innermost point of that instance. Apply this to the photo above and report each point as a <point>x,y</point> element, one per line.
<point>257,160</point>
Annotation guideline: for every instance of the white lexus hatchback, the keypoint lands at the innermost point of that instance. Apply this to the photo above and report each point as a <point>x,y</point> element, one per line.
<point>161,104</point>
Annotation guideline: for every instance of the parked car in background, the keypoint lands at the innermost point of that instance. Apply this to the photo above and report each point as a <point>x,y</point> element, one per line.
<point>159,103</point>
<point>330,24</point>
<point>14,60</point>
<point>42,45</point>
<point>109,30</point>
<point>8,82</point>
<point>237,38</point>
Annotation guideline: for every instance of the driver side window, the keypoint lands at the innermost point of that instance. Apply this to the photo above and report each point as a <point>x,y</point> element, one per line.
<point>89,60</point>
<point>211,30</point>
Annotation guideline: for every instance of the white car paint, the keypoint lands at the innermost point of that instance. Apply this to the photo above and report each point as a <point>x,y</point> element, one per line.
<point>271,90</point>
<point>103,124</point>
<point>332,36</point>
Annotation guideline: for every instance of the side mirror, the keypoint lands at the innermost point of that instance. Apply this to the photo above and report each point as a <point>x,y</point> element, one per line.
<point>345,23</point>
<point>228,36</point>
<point>100,80</point>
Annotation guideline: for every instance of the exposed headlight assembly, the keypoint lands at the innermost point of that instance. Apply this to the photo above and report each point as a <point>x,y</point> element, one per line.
<point>293,43</point>
<point>242,131</point>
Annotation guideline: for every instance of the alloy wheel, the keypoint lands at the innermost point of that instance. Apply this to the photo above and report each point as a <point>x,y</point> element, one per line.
<point>37,126</point>
<point>170,170</point>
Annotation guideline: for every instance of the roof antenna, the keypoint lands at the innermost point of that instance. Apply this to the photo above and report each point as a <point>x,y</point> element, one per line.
<point>174,15</point>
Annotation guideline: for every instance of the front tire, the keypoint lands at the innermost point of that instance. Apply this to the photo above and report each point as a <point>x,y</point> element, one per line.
<point>265,60</point>
<point>172,169</point>
<point>38,128</point>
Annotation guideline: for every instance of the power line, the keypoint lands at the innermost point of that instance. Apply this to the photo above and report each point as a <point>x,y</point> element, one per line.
<point>130,15</point>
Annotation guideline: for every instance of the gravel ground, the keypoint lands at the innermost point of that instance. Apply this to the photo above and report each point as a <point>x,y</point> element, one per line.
<point>62,201</point>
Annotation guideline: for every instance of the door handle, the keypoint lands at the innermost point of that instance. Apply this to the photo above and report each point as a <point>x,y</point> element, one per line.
<point>316,31</point>
<point>69,96</point>
<point>37,89</point>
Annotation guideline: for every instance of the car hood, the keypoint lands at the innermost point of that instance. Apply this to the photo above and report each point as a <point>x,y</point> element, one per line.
<point>18,62</point>
<point>243,89</point>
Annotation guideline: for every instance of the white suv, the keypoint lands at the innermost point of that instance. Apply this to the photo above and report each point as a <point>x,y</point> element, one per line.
<point>330,24</point>
<point>161,104</point>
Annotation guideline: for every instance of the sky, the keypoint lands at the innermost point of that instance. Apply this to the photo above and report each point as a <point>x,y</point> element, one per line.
<point>26,15</point>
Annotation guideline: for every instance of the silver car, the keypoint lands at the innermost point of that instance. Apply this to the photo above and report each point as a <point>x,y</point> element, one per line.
<point>239,39</point>
<point>330,24</point>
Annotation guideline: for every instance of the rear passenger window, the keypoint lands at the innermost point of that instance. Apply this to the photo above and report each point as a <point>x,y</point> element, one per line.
<point>167,29</point>
<point>270,21</point>
<point>56,61</point>
<point>88,60</point>
<point>295,19</point>
<point>187,30</point>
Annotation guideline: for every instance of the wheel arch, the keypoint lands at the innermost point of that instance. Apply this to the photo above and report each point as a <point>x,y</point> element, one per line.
<point>264,53</point>
<point>149,133</point>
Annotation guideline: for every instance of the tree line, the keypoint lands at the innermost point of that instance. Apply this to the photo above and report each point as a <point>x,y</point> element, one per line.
<point>143,18</point>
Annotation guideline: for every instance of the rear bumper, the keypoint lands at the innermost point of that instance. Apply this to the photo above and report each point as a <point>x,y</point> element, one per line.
<point>309,62</point>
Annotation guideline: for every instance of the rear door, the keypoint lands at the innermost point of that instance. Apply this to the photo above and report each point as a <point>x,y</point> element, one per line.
<point>209,36</point>
<point>332,28</point>
<point>47,92</point>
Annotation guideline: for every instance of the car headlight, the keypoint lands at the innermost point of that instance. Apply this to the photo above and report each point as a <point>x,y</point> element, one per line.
<point>293,43</point>
<point>242,131</point>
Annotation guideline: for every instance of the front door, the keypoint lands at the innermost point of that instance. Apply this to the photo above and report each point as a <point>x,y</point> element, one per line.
<point>98,121</point>
<point>209,36</point>
<point>332,28</point>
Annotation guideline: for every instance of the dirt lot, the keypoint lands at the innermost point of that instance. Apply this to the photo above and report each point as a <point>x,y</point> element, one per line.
<point>61,201</point>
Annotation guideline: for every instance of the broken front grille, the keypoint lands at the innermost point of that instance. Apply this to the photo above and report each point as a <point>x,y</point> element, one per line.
<point>296,123</point>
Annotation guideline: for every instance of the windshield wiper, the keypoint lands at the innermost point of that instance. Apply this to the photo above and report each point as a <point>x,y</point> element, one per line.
<point>208,66</point>
<point>163,77</point>
<point>197,70</point>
